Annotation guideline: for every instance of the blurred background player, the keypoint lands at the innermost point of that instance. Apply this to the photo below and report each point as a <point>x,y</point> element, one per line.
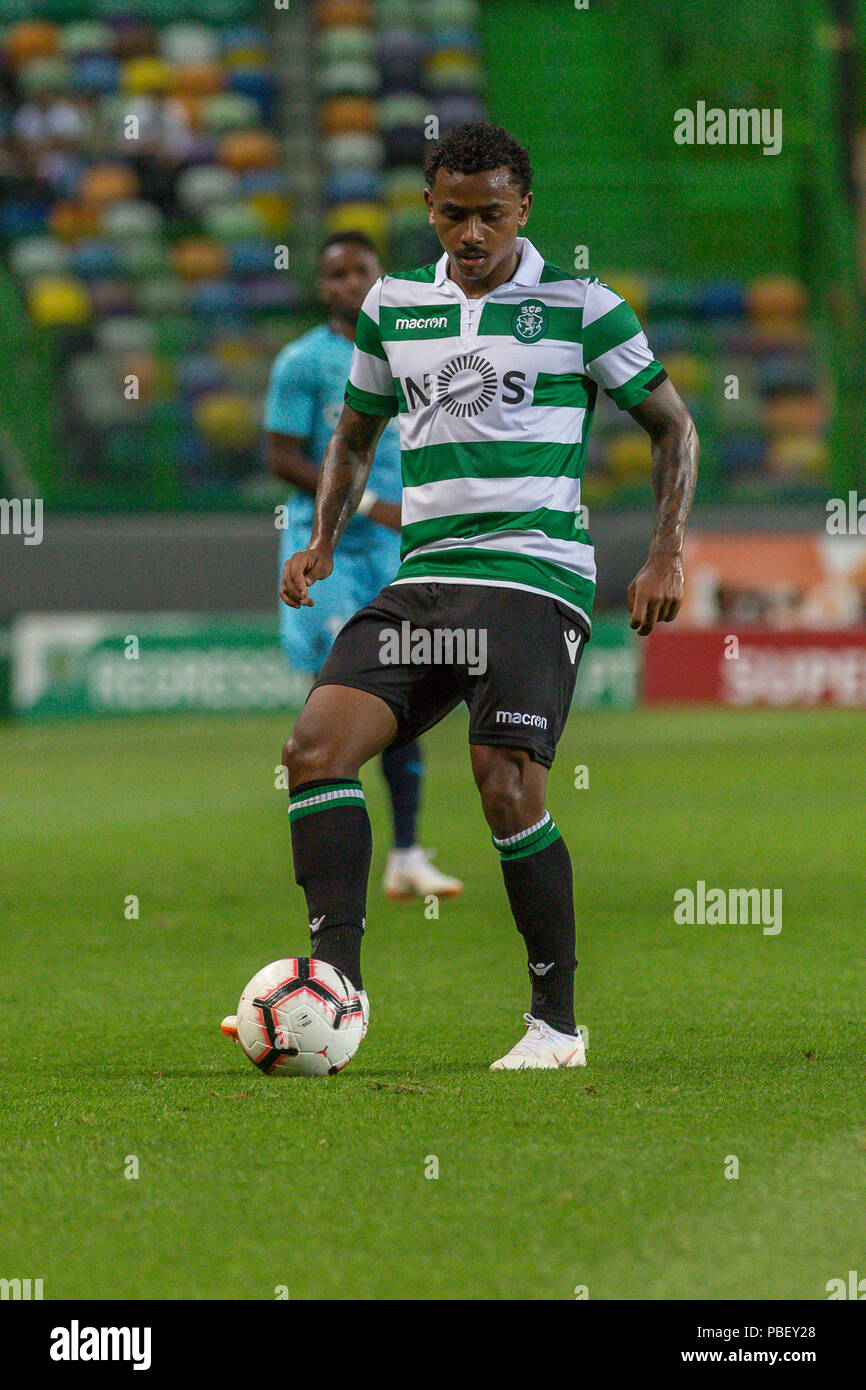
<point>303,404</point>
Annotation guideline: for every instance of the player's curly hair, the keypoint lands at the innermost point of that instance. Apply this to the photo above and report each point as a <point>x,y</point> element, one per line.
<point>478,145</point>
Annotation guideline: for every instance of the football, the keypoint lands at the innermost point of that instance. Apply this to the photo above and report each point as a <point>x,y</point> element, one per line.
<point>299,1017</point>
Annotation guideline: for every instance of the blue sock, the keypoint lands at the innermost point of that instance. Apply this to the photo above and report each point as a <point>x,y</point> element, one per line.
<point>403,769</point>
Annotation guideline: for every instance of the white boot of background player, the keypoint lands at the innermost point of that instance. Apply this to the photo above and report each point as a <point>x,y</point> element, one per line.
<point>409,874</point>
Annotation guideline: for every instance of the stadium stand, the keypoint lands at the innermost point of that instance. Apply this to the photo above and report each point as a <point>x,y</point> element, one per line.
<point>166,178</point>
<point>145,193</point>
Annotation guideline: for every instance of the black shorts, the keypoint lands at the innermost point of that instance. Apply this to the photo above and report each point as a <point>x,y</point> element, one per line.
<point>511,655</point>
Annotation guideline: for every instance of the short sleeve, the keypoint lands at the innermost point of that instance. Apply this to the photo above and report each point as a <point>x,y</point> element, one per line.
<point>292,392</point>
<point>370,388</point>
<point>616,353</point>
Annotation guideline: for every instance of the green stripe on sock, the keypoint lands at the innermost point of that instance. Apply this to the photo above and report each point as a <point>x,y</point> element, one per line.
<point>545,835</point>
<point>325,797</point>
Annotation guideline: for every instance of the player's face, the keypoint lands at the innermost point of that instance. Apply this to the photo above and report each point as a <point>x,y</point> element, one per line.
<point>346,273</point>
<point>477,219</point>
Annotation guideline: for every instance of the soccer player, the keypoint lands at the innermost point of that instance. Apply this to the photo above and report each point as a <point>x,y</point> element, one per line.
<point>491,358</point>
<point>303,405</point>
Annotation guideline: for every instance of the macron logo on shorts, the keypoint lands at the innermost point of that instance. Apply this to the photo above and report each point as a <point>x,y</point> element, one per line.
<point>572,641</point>
<point>536,721</point>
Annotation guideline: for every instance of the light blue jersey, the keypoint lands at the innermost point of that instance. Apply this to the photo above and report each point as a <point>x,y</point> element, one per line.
<point>305,398</point>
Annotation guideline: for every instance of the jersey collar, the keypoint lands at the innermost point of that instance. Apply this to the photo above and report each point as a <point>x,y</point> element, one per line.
<point>528,271</point>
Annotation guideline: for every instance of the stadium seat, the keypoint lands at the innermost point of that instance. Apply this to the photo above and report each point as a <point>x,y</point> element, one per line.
<point>95,257</point>
<point>341,79</point>
<point>103,184</point>
<point>229,222</point>
<point>342,115</point>
<point>352,150</point>
<point>30,39</point>
<point>798,455</point>
<point>345,43</point>
<point>162,294</point>
<point>57,301</point>
<point>86,38</point>
<point>195,258</point>
<point>131,219</point>
<point>39,255</point>
<point>462,14</point>
<point>228,420</point>
<point>353,185</point>
<point>333,13</point>
<point>451,71</point>
<point>775,297</point>
<point>361,217</point>
<point>146,73</point>
<point>95,72</point>
<point>398,14</point>
<point>186,44</point>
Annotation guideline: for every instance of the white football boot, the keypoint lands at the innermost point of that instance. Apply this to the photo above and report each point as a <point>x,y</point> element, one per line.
<point>542,1047</point>
<point>409,874</point>
<point>365,1009</point>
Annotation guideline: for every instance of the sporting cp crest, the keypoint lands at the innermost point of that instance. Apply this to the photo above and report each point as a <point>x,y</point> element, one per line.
<point>530,320</point>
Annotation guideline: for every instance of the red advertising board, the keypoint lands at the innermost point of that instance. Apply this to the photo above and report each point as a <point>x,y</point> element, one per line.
<point>798,668</point>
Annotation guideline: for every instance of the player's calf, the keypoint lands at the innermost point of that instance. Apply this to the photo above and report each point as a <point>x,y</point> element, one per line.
<point>338,730</point>
<point>536,868</point>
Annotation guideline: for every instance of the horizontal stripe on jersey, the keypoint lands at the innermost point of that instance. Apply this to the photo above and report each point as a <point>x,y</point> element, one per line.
<point>493,459</point>
<point>459,496</point>
<point>517,569</point>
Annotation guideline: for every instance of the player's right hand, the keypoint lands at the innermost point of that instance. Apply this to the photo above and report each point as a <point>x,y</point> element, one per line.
<point>304,568</point>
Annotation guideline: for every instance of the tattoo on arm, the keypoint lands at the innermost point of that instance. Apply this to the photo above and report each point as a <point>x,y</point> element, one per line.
<point>674,475</point>
<point>675,451</point>
<point>343,474</point>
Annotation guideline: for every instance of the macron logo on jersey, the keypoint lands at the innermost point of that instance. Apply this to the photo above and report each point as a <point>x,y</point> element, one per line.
<point>440,321</point>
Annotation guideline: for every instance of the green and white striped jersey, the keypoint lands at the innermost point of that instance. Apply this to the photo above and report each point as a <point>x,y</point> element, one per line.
<point>495,399</point>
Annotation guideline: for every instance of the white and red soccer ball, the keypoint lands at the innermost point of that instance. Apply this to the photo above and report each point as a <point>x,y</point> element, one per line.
<point>300,1017</point>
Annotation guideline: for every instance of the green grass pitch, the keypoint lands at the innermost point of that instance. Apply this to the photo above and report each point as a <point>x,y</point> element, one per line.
<point>705,1042</point>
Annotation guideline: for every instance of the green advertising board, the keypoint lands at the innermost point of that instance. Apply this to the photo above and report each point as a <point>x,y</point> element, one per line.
<point>105,664</point>
<point>113,664</point>
<point>610,666</point>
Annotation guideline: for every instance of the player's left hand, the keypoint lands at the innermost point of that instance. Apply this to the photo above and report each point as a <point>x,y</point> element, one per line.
<point>656,593</point>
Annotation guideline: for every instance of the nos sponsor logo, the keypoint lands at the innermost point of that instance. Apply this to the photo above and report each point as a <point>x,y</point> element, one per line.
<point>465,385</point>
<point>535,721</point>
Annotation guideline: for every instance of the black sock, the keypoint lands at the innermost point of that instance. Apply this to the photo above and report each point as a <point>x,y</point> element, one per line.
<point>537,870</point>
<point>332,845</point>
<point>403,769</point>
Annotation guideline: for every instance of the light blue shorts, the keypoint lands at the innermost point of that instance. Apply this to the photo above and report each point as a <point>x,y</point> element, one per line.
<point>307,634</point>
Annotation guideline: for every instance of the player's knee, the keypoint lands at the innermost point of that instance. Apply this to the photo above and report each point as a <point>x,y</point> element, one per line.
<point>309,754</point>
<point>507,797</point>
